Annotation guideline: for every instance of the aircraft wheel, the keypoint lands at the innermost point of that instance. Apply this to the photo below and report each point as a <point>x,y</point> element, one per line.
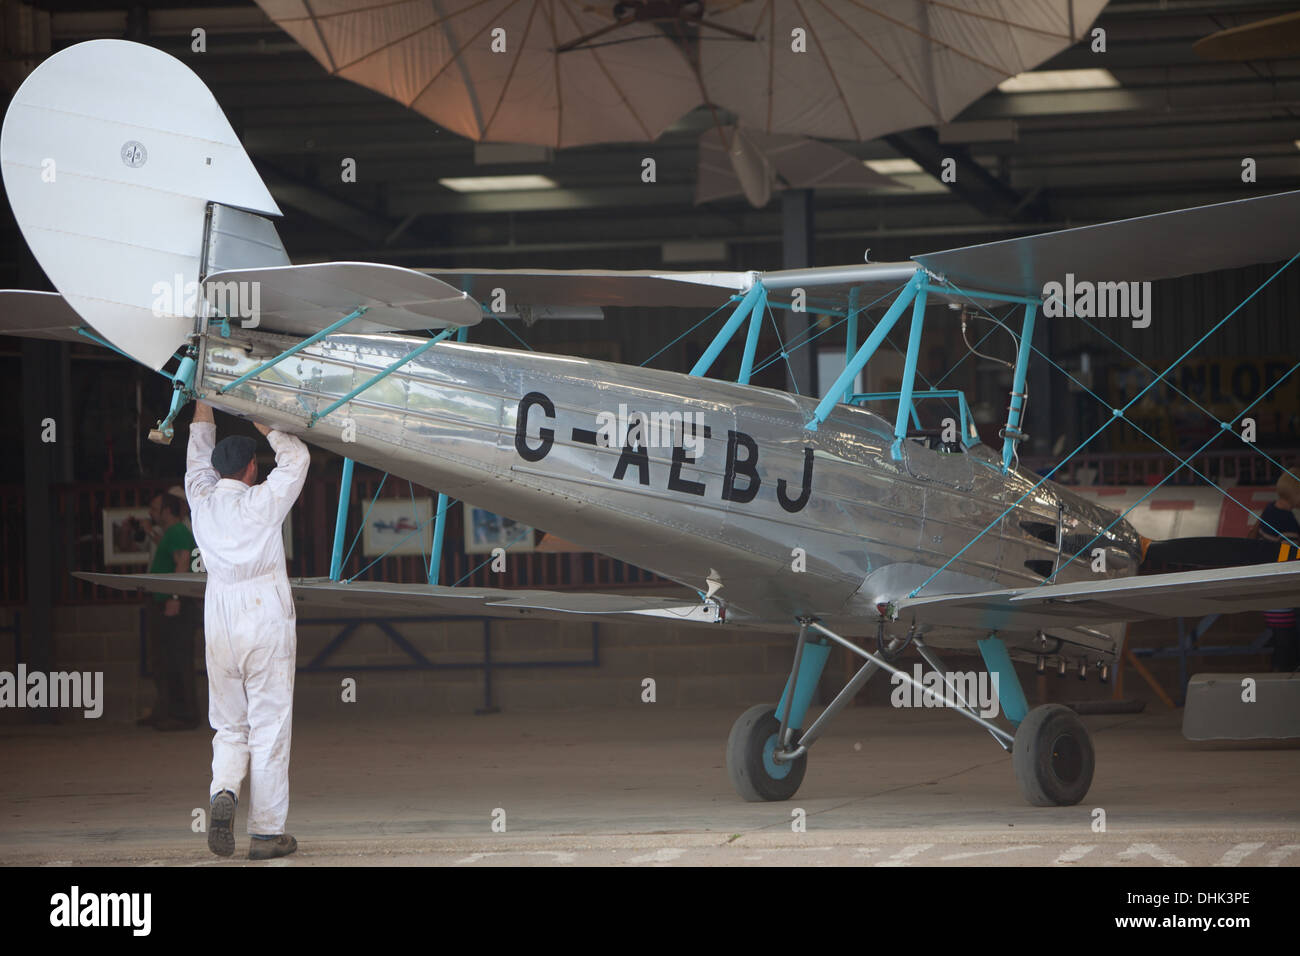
<point>1052,756</point>
<point>754,773</point>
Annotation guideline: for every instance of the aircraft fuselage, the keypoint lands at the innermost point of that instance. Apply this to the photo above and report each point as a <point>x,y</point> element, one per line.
<point>826,522</point>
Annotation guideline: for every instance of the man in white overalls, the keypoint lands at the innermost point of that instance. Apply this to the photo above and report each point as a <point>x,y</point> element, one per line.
<point>249,625</point>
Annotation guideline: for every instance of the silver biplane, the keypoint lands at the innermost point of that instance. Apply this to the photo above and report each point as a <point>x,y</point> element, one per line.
<point>912,544</point>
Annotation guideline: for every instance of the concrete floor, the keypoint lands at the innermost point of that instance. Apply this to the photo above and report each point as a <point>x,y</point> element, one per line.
<point>649,787</point>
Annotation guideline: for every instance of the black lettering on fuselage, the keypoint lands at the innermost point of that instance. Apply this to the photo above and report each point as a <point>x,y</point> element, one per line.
<point>805,493</point>
<point>634,455</point>
<point>675,480</point>
<point>748,468</point>
<point>638,456</point>
<point>547,435</point>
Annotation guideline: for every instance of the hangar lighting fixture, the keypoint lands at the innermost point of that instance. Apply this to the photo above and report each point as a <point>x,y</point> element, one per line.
<point>1042,81</point>
<point>892,167</point>
<point>497,184</point>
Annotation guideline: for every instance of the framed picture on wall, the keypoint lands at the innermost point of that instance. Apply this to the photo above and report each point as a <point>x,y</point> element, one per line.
<point>126,537</point>
<point>485,530</point>
<point>399,526</point>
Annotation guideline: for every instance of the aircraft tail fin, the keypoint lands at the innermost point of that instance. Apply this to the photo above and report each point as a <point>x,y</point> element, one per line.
<point>114,156</point>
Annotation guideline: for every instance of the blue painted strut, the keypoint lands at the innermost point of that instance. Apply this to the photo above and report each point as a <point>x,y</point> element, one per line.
<point>851,336</point>
<point>445,333</point>
<point>747,302</point>
<point>1015,408</point>
<point>756,313</point>
<point>835,393</point>
<point>341,521</point>
<point>1011,696</point>
<point>294,350</point>
<point>812,661</point>
<point>909,375</point>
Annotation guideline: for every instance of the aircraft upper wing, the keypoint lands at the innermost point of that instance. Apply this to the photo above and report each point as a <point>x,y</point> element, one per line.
<point>597,287</point>
<point>39,315</point>
<point>408,599</point>
<point>1181,594</point>
<point>1162,246</point>
<point>537,288</point>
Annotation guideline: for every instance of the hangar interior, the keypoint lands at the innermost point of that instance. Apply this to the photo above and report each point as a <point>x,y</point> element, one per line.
<point>1170,130</point>
<point>1146,126</point>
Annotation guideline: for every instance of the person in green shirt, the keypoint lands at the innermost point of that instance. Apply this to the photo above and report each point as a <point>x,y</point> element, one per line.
<point>171,621</point>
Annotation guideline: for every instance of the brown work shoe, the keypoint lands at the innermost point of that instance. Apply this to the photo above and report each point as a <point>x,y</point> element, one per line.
<point>282,845</point>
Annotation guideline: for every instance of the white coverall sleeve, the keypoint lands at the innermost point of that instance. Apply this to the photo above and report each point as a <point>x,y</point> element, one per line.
<point>273,499</point>
<point>200,476</point>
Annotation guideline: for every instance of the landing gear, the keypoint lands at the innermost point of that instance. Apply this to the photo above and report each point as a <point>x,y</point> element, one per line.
<point>751,762</point>
<point>767,753</point>
<point>1053,757</point>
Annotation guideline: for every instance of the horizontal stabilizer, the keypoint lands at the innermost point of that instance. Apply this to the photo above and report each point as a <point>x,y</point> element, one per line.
<point>1169,244</point>
<point>39,315</point>
<point>379,599</point>
<point>1113,601</point>
<point>302,300</point>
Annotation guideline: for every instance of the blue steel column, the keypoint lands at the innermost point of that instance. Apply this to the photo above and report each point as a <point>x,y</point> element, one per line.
<point>341,521</point>
<point>1017,403</point>
<point>909,375</point>
<point>440,519</point>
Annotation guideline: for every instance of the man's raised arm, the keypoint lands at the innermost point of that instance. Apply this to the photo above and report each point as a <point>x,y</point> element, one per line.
<point>276,495</point>
<point>200,476</point>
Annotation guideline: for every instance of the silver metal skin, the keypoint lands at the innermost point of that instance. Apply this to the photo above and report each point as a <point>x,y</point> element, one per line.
<point>515,432</point>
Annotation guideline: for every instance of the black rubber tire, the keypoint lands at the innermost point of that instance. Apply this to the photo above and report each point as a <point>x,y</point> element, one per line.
<point>1053,757</point>
<point>749,734</point>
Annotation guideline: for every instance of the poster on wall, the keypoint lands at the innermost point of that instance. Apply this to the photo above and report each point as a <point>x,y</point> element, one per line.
<point>485,530</point>
<point>126,536</point>
<point>398,526</point>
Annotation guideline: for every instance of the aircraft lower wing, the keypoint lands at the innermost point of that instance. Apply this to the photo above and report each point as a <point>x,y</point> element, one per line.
<point>1113,601</point>
<point>383,599</point>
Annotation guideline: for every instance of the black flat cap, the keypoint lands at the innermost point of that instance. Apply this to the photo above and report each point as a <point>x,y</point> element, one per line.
<point>233,454</point>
